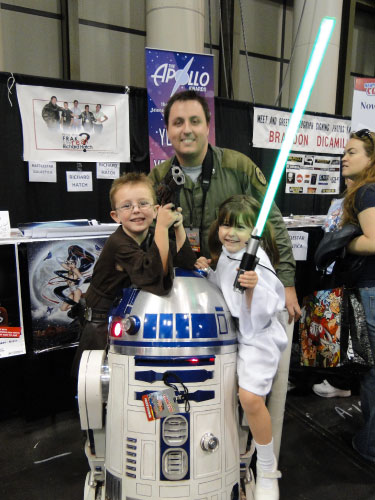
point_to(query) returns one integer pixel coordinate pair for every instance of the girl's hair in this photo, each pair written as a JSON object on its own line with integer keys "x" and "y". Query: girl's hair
{"x": 243, "y": 209}
{"x": 366, "y": 176}
{"x": 130, "y": 178}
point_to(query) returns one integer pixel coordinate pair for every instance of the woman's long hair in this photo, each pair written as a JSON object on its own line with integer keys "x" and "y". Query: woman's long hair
{"x": 241, "y": 209}
{"x": 367, "y": 176}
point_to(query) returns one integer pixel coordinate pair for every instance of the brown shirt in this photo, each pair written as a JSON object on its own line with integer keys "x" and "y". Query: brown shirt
{"x": 124, "y": 263}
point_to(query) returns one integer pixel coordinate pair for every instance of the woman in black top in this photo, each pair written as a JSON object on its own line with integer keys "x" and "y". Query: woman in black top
{"x": 358, "y": 164}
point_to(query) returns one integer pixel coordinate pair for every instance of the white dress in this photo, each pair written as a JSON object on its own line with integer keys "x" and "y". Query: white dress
{"x": 261, "y": 336}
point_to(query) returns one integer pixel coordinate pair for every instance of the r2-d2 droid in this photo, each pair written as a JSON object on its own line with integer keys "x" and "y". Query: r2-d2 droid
{"x": 186, "y": 343}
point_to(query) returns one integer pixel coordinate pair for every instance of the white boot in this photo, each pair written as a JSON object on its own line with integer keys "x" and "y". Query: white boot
{"x": 267, "y": 485}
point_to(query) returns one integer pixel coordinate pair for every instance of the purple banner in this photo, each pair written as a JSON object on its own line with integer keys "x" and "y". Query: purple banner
{"x": 167, "y": 73}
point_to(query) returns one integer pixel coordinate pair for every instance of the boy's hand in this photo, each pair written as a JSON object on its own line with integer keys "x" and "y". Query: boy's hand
{"x": 180, "y": 218}
{"x": 248, "y": 279}
{"x": 202, "y": 263}
{"x": 166, "y": 217}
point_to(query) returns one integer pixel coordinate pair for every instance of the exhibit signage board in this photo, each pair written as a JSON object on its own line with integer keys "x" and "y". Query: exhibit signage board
{"x": 12, "y": 336}
{"x": 363, "y": 110}
{"x": 312, "y": 174}
{"x": 60, "y": 272}
{"x": 73, "y": 125}
{"x": 168, "y": 73}
{"x": 4, "y": 224}
{"x": 316, "y": 134}
{"x": 106, "y": 170}
{"x": 42, "y": 171}
{"x": 299, "y": 241}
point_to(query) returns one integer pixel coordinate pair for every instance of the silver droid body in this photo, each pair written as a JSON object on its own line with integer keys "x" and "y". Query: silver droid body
{"x": 186, "y": 339}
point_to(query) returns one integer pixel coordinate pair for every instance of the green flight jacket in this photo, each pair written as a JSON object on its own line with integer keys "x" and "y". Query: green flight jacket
{"x": 233, "y": 173}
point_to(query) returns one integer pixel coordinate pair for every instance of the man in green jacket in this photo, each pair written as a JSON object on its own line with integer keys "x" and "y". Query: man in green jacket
{"x": 212, "y": 175}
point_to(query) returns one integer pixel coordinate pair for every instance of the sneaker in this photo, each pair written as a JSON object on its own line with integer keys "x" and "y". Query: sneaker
{"x": 270, "y": 489}
{"x": 326, "y": 390}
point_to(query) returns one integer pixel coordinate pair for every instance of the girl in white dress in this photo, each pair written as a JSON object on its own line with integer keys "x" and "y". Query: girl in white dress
{"x": 261, "y": 336}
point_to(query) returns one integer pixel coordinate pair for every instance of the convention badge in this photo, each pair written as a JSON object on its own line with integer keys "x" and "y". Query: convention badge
{"x": 260, "y": 176}
{"x": 193, "y": 237}
{"x": 160, "y": 404}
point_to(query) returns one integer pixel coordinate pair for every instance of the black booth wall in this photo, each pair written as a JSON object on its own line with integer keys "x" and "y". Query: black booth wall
{"x": 35, "y": 385}
{"x": 28, "y": 202}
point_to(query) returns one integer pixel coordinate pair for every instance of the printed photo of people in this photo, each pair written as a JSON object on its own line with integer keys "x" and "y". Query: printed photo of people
{"x": 290, "y": 177}
{"x": 100, "y": 118}
{"x": 61, "y": 124}
{"x": 73, "y": 117}
{"x": 51, "y": 114}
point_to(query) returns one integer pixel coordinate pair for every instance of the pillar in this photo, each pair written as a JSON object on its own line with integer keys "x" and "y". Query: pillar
{"x": 175, "y": 25}
{"x": 323, "y": 96}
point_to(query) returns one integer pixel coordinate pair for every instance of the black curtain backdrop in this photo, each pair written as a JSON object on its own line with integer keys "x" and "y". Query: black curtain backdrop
{"x": 31, "y": 201}
{"x": 38, "y": 385}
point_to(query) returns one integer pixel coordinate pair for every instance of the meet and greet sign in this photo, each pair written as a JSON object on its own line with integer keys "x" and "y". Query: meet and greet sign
{"x": 167, "y": 73}
{"x": 316, "y": 134}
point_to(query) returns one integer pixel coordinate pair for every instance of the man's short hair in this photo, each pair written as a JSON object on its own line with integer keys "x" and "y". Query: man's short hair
{"x": 130, "y": 178}
{"x": 99, "y": 105}
{"x": 187, "y": 95}
{"x": 75, "y": 101}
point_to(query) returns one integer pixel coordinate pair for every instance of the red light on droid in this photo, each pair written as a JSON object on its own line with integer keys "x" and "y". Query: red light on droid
{"x": 116, "y": 329}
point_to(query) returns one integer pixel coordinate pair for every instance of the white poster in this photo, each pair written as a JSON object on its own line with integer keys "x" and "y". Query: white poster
{"x": 107, "y": 170}
{"x": 299, "y": 241}
{"x": 316, "y": 134}
{"x": 79, "y": 181}
{"x": 4, "y": 224}
{"x": 73, "y": 125}
{"x": 312, "y": 174}
{"x": 42, "y": 172}
{"x": 363, "y": 110}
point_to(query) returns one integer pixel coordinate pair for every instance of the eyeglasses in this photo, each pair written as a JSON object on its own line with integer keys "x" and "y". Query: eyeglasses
{"x": 365, "y": 132}
{"x": 142, "y": 205}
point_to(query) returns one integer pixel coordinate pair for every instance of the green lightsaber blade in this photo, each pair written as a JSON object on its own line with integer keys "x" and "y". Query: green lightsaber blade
{"x": 312, "y": 70}
{"x": 249, "y": 258}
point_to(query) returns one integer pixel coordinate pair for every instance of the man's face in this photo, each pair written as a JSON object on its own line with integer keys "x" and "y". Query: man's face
{"x": 53, "y": 100}
{"x": 188, "y": 132}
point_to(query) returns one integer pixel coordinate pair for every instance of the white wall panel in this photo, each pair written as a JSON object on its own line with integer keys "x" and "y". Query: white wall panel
{"x": 44, "y": 5}
{"x": 31, "y": 44}
{"x": 265, "y": 75}
{"x": 112, "y": 57}
{"x": 127, "y": 13}
{"x": 263, "y": 26}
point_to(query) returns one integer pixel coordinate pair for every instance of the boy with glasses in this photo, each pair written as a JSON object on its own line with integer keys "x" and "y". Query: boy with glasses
{"x": 136, "y": 254}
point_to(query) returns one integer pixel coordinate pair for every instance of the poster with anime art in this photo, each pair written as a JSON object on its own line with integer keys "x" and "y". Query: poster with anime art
{"x": 59, "y": 275}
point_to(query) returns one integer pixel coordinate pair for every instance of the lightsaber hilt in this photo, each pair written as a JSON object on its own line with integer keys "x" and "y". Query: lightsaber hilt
{"x": 249, "y": 261}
